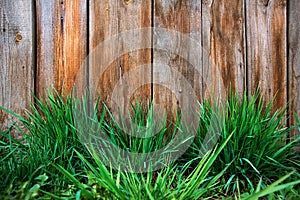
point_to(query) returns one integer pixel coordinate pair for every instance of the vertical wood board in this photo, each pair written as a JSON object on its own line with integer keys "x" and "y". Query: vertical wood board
{"x": 16, "y": 57}
{"x": 266, "y": 31}
{"x": 177, "y": 55}
{"x": 119, "y": 70}
{"x": 294, "y": 60}
{"x": 223, "y": 47}
{"x": 61, "y": 44}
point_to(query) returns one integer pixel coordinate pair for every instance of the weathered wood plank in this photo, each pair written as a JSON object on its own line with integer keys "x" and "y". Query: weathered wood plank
{"x": 224, "y": 61}
{"x": 266, "y": 34}
{"x": 177, "y": 58}
{"x": 116, "y": 72}
{"x": 294, "y": 60}
{"x": 61, "y": 42}
{"x": 16, "y": 57}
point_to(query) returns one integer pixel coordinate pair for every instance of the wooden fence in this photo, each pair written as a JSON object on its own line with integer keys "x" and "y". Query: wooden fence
{"x": 43, "y": 43}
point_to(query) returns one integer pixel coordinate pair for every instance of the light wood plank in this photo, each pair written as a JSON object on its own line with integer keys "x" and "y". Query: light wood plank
{"x": 116, "y": 64}
{"x": 177, "y": 58}
{"x": 294, "y": 60}
{"x": 224, "y": 60}
{"x": 16, "y": 58}
{"x": 266, "y": 30}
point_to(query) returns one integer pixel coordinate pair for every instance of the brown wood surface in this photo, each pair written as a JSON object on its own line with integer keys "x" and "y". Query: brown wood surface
{"x": 16, "y": 57}
{"x": 109, "y": 19}
{"x": 294, "y": 60}
{"x": 266, "y": 34}
{"x": 61, "y": 44}
{"x": 206, "y": 43}
{"x": 223, "y": 47}
{"x": 177, "y": 63}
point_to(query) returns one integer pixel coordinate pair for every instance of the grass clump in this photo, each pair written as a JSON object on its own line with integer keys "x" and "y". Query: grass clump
{"x": 59, "y": 158}
{"x": 49, "y": 137}
{"x": 260, "y": 147}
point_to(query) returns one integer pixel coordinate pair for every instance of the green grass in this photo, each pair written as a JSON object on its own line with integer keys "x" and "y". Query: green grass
{"x": 259, "y": 148}
{"x": 57, "y": 159}
{"x": 51, "y": 138}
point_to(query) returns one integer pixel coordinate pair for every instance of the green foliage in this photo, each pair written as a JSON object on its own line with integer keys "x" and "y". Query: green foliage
{"x": 54, "y": 160}
{"x": 168, "y": 183}
{"x": 50, "y": 137}
{"x": 260, "y": 147}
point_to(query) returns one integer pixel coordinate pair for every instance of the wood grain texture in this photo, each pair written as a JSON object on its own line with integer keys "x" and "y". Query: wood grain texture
{"x": 266, "y": 30}
{"x": 16, "y": 58}
{"x": 294, "y": 60}
{"x": 223, "y": 47}
{"x": 61, "y": 44}
{"x": 201, "y": 45}
{"x": 119, "y": 71}
{"x": 177, "y": 56}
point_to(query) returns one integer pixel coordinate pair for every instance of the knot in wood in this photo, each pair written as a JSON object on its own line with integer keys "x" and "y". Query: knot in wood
{"x": 127, "y": 1}
{"x": 19, "y": 37}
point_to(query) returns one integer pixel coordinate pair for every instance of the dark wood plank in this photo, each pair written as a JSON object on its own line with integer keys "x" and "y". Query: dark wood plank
{"x": 16, "y": 57}
{"x": 266, "y": 30}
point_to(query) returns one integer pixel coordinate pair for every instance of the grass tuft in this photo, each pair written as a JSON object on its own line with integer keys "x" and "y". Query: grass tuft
{"x": 241, "y": 150}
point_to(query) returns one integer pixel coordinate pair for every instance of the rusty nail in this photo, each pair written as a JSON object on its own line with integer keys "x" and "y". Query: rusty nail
{"x": 19, "y": 37}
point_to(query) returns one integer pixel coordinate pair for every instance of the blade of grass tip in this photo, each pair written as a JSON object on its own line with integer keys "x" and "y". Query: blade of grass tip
{"x": 227, "y": 185}
{"x": 248, "y": 161}
{"x": 111, "y": 171}
{"x": 274, "y": 187}
{"x": 22, "y": 119}
{"x": 78, "y": 194}
{"x": 258, "y": 186}
{"x": 288, "y": 145}
{"x": 75, "y": 181}
{"x": 238, "y": 188}
{"x": 118, "y": 178}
